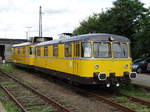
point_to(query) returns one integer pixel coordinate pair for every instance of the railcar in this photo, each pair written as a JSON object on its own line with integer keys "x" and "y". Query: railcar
{"x": 102, "y": 59}
{"x": 23, "y": 53}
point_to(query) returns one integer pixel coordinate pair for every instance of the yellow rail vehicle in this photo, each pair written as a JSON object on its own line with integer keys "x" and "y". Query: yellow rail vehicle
{"x": 86, "y": 59}
{"x": 23, "y": 53}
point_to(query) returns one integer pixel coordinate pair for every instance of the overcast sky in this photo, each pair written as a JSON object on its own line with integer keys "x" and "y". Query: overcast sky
{"x": 58, "y": 15}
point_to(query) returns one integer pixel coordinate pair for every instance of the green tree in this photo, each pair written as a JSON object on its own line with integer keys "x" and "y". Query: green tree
{"x": 87, "y": 26}
{"x": 142, "y": 37}
{"x": 126, "y": 17}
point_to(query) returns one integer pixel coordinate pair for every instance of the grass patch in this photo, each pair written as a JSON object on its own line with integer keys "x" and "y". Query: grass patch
{"x": 43, "y": 109}
{"x": 7, "y": 67}
{"x": 27, "y": 83}
{"x": 133, "y": 105}
{"x": 137, "y": 107}
{"x": 121, "y": 99}
{"x": 8, "y": 105}
{"x": 134, "y": 91}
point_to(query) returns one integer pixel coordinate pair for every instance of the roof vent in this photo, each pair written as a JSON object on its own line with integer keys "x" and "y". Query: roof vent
{"x": 111, "y": 38}
{"x": 65, "y": 35}
{"x": 40, "y": 39}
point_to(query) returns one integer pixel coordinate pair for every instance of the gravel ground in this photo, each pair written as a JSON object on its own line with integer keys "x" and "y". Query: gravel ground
{"x": 142, "y": 79}
{"x": 77, "y": 102}
{"x": 2, "y": 109}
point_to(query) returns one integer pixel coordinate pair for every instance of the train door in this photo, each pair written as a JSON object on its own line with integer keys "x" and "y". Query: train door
{"x": 76, "y": 57}
{"x": 31, "y": 58}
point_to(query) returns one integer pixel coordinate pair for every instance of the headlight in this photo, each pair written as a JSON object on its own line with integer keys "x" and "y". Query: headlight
{"x": 126, "y": 66}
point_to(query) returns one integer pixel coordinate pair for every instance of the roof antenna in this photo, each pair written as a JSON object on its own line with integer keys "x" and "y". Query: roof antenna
{"x": 40, "y": 22}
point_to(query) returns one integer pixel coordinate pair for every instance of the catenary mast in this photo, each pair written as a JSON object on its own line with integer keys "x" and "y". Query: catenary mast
{"x": 40, "y": 22}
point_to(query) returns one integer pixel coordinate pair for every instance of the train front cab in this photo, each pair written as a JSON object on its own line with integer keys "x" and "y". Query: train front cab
{"x": 106, "y": 63}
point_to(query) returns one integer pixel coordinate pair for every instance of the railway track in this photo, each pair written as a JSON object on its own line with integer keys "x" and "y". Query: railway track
{"x": 141, "y": 86}
{"x": 27, "y": 98}
{"x": 110, "y": 101}
{"x": 114, "y": 103}
{"x": 107, "y": 99}
{"x": 142, "y": 101}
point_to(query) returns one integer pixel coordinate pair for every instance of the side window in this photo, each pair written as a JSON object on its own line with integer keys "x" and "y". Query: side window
{"x": 15, "y": 49}
{"x": 21, "y": 50}
{"x": 31, "y": 50}
{"x": 35, "y": 51}
{"x": 24, "y": 51}
{"x": 77, "y": 49}
{"x": 55, "y": 50}
{"x": 38, "y": 51}
{"x": 86, "y": 50}
{"x": 46, "y": 51}
{"x": 18, "y": 51}
{"x": 68, "y": 50}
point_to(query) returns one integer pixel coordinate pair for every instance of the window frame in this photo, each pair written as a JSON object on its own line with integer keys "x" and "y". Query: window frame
{"x": 24, "y": 51}
{"x": 45, "y": 50}
{"x": 68, "y": 49}
{"x": 19, "y": 51}
{"x": 31, "y": 50}
{"x": 82, "y": 49}
{"x": 110, "y": 49}
{"x": 55, "y": 50}
{"x": 38, "y": 51}
{"x": 128, "y": 50}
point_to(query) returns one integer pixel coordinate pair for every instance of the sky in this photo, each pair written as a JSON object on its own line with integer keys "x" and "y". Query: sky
{"x": 17, "y": 17}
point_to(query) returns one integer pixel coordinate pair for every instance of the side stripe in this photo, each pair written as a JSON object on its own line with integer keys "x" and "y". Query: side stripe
{"x": 113, "y": 59}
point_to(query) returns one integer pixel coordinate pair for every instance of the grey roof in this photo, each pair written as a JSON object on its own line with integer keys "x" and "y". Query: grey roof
{"x": 48, "y": 42}
{"x": 97, "y": 37}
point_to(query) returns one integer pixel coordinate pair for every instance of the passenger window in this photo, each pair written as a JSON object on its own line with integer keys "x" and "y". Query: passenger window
{"x": 18, "y": 51}
{"x": 30, "y": 50}
{"x": 77, "y": 49}
{"x": 86, "y": 50}
{"x": 38, "y": 51}
{"x": 55, "y": 50}
{"x": 45, "y": 51}
{"x": 68, "y": 50}
{"x": 35, "y": 51}
{"x": 24, "y": 50}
